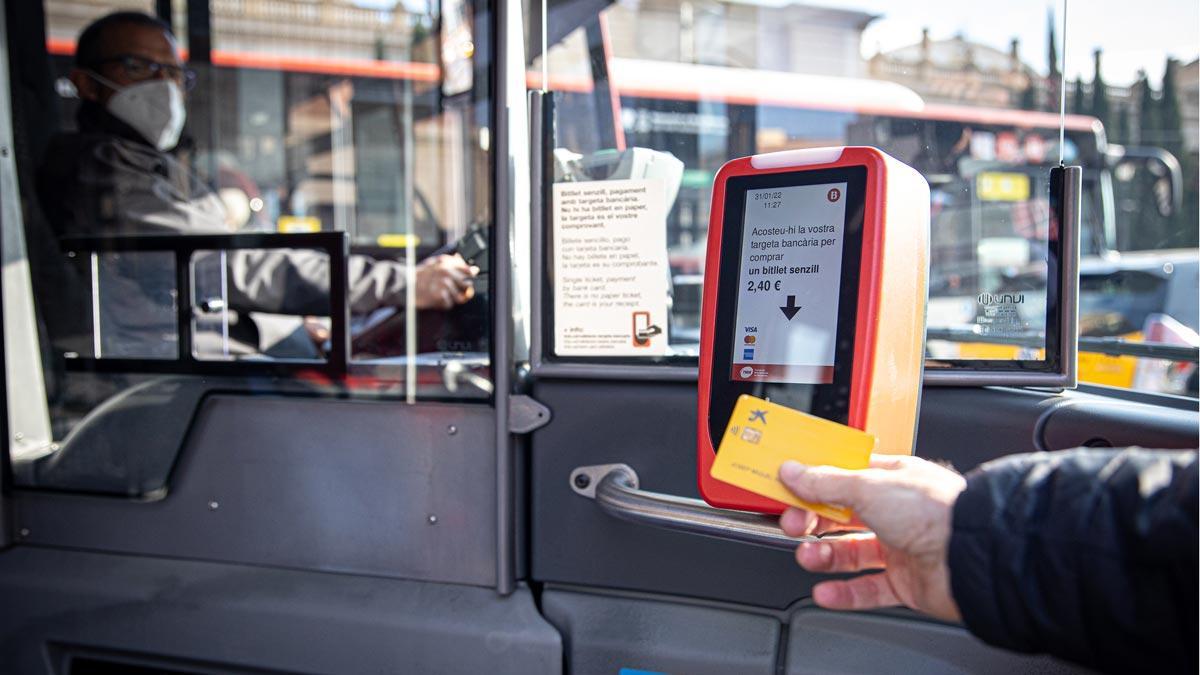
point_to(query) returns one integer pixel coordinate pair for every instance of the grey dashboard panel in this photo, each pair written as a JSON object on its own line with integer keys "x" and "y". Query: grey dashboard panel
{"x": 203, "y": 617}
{"x": 831, "y": 643}
{"x": 377, "y": 488}
{"x": 651, "y": 426}
{"x": 604, "y": 635}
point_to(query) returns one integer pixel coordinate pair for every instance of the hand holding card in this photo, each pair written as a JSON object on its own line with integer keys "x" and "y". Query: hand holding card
{"x": 762, "y": 435}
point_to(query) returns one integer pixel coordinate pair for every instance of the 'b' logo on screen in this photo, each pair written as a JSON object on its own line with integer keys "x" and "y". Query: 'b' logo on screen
{"x": 834, "y": 194}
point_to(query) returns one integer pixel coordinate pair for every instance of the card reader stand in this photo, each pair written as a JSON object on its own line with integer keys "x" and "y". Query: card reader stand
{"x": 815, "y": 290}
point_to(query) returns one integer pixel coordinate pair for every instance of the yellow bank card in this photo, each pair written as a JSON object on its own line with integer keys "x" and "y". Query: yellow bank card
{"x": 762, "y": 435}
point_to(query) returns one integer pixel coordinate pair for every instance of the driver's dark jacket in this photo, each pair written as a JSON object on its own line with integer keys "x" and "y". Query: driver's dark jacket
{"x": 1089, "y": 555}
{"x": 106, "y": 179}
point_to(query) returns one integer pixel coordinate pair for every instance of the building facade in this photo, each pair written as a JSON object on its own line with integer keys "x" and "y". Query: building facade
{"x": 957, "y": 70}
{"x": 795, "y": 38}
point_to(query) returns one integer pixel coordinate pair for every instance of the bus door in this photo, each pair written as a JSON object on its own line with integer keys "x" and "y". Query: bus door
{"x": 636, "y": 571}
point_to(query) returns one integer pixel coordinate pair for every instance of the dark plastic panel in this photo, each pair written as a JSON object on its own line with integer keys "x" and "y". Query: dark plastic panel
{"x": 829, "y": 643}
{"x": 603, "y": 635}
{"x": 97, "y": 456}
{"x": 367, "y": 487}
{"x": 214, "y": 617}
{"x": 1119, "y": 424}
{"x": 651, "y": 427}
{"x": 968, "y": 426}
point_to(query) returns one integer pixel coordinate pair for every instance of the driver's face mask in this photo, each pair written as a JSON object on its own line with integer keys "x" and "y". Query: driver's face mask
{"x": 154, "y": 109}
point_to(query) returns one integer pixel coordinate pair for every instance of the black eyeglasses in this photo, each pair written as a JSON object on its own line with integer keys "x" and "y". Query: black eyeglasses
{"x": 139, "y": 69}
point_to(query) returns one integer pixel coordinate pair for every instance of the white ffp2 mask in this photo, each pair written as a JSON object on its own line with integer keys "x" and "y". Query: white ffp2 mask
{"x": 153, "y": 108}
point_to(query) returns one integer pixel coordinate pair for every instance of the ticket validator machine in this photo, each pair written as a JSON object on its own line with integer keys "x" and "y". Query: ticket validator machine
{"x": 815, "y": 289}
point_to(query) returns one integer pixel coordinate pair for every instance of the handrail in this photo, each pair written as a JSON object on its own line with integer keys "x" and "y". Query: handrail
{"x": 1148, "y": 350}
{"x": 614, "y": 487}
{"x": 1112, "y": 346}
{"x": 1030, "y": 339}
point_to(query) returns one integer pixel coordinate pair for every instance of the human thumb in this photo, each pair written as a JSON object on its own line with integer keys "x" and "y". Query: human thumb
{"x": 823, "y": 484}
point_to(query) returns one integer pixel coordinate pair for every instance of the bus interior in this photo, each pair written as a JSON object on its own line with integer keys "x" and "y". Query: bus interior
{"x": 361, "y": 486}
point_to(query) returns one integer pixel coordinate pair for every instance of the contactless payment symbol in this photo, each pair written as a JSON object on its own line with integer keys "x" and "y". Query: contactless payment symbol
{"x": 834, "y": 194}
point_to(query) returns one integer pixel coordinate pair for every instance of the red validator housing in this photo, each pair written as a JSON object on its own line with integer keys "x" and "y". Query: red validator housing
{"x": 870, "y": 374}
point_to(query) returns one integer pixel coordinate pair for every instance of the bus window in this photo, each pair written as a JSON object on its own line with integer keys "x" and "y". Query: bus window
{"x": 1139, "y": 288}
{"x": 296, "y": 190}
{"x": 975, "y": 112}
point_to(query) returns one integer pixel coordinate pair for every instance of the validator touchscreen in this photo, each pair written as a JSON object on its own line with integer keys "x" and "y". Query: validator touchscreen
{"x": 785, "y": 326}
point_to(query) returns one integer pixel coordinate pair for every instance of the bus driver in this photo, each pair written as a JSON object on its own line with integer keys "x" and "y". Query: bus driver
{"x": 119, "y": 174}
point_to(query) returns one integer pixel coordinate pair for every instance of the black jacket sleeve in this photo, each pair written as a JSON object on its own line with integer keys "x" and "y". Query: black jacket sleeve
{"x": 1089, "y": 555}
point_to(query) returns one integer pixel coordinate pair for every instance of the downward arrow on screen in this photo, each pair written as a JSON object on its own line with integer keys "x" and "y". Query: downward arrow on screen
{"x": 791, "y": 308}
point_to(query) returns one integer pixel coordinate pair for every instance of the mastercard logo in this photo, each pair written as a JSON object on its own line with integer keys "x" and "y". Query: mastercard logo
{"x": 750, "y": 339}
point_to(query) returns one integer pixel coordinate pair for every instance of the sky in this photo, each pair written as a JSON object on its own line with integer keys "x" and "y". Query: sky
{"x": 1137, "y": 34}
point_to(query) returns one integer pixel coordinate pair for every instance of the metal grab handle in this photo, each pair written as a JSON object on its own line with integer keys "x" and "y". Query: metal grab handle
{"x": 614, "y": 487}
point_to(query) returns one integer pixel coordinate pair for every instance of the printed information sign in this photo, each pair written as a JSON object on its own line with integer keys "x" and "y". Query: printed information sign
{"x": 610, "y": 268}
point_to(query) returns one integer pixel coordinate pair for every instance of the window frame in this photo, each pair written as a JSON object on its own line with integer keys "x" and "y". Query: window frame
{"x": 333, "y": 244}
{"x": 349, "y": 376}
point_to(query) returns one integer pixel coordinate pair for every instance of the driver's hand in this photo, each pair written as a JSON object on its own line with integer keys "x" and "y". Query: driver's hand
{"x": 906, "y": 503}
{"x": 317, "y": 331}
{"x": 444, "y": 281}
